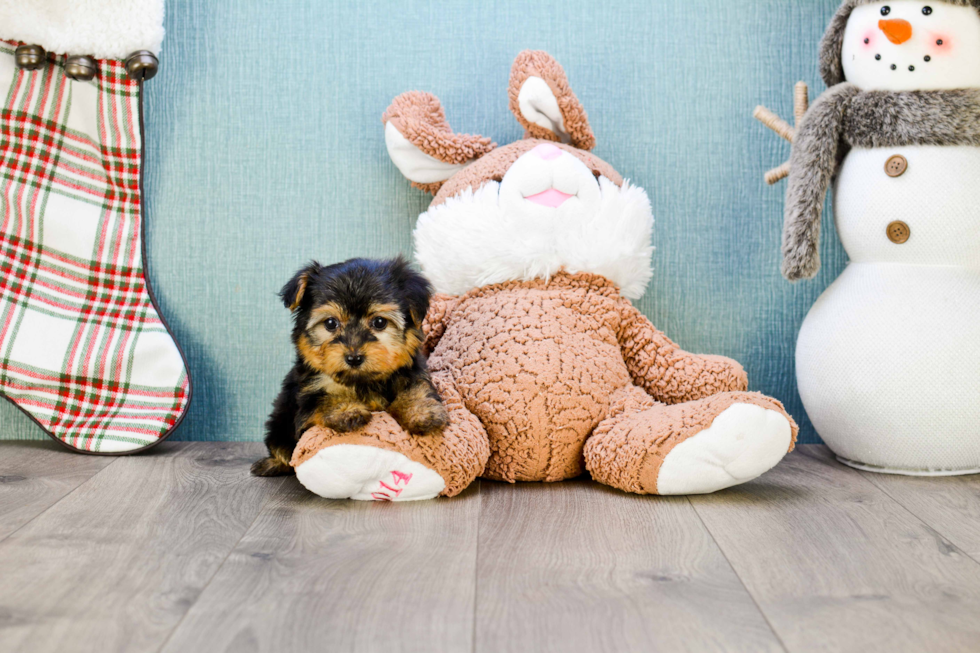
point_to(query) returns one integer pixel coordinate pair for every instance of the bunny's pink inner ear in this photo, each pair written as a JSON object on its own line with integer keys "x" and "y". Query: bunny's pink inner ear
{"x": 544, "y": 103}
{"x": 421, "y": 143}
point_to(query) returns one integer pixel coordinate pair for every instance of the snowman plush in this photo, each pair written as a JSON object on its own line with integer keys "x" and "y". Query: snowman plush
{"x": 888, "y": 359}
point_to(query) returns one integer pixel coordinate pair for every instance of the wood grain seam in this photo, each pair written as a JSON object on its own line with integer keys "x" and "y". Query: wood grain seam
{"x": 866, "y": 478}
{"x": 60, "y": 499}
{"x": 231, "y": 549}
{"x": 724, "y": 554}
{"x": 476, "y": 567}
{"x": 916, "y": 517}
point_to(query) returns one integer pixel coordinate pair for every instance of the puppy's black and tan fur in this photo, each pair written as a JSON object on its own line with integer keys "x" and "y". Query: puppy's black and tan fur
{"x": 358, "y": 337}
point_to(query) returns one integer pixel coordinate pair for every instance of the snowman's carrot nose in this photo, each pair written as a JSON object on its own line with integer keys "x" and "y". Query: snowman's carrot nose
{"x": 897, "y": 30}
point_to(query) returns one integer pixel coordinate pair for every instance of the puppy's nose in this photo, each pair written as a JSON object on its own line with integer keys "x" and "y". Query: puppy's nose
{"x": 354, "y": 360}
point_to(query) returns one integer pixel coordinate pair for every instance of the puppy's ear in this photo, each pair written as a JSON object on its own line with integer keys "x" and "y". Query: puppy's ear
{"x": 544, "y": 103}
{"x": 415, "y": 289}
{"x": 293, "y": 292}
{"x": 423, "y": 146}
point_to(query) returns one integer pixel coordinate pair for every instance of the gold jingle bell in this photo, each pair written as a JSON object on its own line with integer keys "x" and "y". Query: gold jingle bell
{"x": 80, "y": 67}
{"x": 142, "y": 65}
{"x": 30, "y": 57}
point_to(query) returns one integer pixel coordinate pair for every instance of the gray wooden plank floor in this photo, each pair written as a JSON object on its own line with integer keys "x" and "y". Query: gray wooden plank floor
{"x": 180, "y": 550}
{"x": 836, "y": 564}
{"x": 951, "y": 506}
{"x": 36, "y": 475}
{"x": 318, "y": 575}
{"x": 578, "y": 566}
{"x": 115, "y": 565}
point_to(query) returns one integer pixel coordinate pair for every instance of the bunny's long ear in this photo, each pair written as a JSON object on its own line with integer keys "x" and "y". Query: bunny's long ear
{"x": 423, "y": 146}
{"x": 544, "y": 103}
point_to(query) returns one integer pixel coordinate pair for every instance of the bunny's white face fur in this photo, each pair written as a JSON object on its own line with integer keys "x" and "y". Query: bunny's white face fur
{"x": 906, "y": 45}
{"x": 547, "y": 214}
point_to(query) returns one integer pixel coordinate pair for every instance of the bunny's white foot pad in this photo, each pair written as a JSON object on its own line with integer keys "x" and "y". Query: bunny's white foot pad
{"x": 362, "y": 473}
{"x": 742, "y": 443}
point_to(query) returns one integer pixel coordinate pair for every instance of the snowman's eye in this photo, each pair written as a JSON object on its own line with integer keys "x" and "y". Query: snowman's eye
{"x": 886, "y": 10}
{"x": 927, "y": 11}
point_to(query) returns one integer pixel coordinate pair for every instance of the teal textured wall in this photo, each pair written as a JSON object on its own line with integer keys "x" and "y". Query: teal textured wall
{"x": 265, "y": 149}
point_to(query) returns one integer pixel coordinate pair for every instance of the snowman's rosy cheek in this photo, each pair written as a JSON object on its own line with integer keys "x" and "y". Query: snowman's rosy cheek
{"x": 939, "y": 44}
{"x": 868, "y": 40}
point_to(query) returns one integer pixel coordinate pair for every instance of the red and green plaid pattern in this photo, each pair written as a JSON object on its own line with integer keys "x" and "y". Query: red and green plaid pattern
{"x": 82, "y": 348}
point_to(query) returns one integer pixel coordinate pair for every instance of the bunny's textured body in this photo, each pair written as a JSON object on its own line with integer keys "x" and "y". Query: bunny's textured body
{"x": 544, "y": 389}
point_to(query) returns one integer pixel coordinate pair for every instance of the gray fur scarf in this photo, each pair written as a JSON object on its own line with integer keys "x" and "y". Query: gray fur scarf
{"x": 846, "y": 117}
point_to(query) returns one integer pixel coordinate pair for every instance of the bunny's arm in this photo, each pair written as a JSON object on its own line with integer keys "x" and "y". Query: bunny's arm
{"x": 813, "y": 162}
{"x": 665, "y": 371}
{"x": 440, "y": 308}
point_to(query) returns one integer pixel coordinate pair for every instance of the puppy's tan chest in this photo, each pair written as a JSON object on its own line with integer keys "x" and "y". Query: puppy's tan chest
{"x": 337, "y": 395}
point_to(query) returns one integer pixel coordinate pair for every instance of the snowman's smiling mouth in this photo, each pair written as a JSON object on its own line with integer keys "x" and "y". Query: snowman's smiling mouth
{"x": 911, "y": 67}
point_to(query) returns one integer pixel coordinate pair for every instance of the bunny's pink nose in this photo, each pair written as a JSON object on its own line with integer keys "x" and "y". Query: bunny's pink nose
{"x": 547, "y": 151}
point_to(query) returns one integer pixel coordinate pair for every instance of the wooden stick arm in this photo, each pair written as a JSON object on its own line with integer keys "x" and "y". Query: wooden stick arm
{"x": 776, "y": 175}
{"x": 801, "y": 102}
{"x": 775, "y": 123}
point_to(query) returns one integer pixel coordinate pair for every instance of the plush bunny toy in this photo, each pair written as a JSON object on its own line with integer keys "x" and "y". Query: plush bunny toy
{"x": 546, "y": 367}
{"x": 888, "y": 359}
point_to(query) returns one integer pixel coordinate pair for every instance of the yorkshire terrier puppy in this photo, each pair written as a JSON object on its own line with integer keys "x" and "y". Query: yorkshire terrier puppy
{"x": 358, "y": 337}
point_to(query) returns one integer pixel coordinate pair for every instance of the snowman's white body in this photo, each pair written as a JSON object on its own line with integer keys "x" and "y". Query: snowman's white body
{"x": 888, "y": 359}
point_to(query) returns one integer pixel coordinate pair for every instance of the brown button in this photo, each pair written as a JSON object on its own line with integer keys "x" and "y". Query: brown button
{"x": 896, "y": 166}
{"x": 898, "y": 232}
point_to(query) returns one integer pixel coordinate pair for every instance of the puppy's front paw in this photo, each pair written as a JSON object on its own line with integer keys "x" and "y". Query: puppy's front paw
{"x": 271, "y": 467}
{"x": 348, "y": 420}
{"x": 426, "y": 419}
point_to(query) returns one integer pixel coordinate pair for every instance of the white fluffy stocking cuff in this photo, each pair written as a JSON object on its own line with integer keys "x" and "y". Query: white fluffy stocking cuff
{"x": 104, "y": 29}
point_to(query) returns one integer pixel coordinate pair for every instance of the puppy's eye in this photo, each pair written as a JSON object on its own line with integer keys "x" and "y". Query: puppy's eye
{"x": 379, "y": 324}
{"x": 331, "y": 324}
{"x": 927, "y": 11}
{"x": 886, "y": 10}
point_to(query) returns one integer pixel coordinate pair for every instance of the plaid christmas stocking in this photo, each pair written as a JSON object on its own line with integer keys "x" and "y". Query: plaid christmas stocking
{"x": 83, "y": 349}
